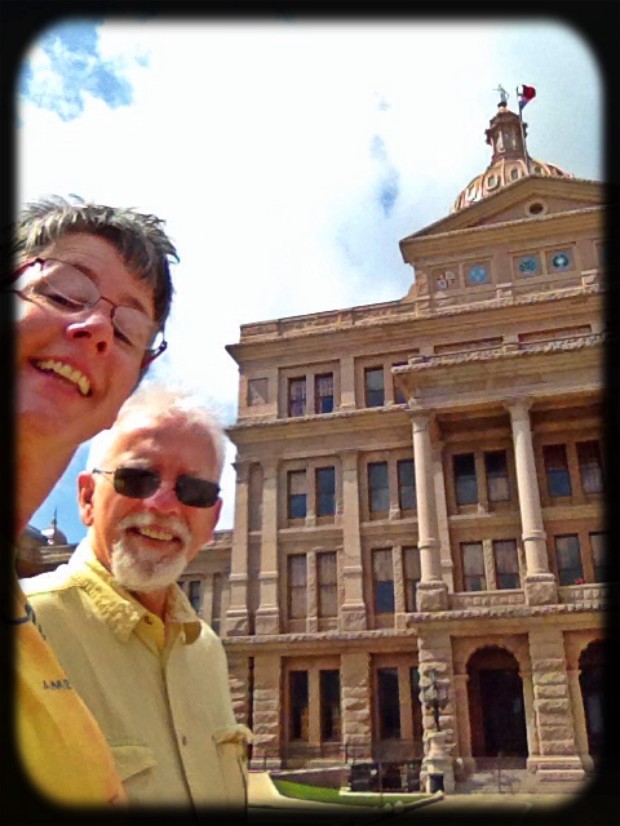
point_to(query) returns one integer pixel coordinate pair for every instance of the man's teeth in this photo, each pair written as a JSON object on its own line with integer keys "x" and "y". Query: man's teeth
{"x": 67, "y": 372}
{"x": 154, "y": 533}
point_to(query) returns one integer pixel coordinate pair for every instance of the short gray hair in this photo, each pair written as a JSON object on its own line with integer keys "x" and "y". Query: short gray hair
{"x": 138, "y": 238}
{"x": 159, "y": 404}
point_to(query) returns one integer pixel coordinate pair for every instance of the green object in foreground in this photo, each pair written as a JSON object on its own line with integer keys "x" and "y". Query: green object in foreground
{"x": 301, "y": 791}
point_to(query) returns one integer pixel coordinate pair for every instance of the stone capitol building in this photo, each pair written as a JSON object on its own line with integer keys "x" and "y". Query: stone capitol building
{"x": 417, "y": 564}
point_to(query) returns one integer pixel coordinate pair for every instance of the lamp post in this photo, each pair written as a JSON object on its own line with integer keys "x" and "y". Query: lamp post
{"x": 434, "y": 695}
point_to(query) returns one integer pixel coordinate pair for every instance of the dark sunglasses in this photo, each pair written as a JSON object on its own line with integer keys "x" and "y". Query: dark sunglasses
{"x": 140, "y": 483}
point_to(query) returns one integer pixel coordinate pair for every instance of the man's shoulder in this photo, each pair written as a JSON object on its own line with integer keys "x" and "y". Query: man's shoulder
{"x": 57, "y": 581}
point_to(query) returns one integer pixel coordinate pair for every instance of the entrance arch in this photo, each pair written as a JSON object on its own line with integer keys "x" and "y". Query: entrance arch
{"x": 591, "y": 681}
{"x": 496, "y": 707}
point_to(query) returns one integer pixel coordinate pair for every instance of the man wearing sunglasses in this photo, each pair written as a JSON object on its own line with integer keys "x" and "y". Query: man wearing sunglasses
{"x": 153, "y": 674}
{"x": 90, "y": 293}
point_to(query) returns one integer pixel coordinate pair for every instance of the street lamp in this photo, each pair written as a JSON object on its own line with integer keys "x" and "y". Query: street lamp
{"x": 434, "y": 694}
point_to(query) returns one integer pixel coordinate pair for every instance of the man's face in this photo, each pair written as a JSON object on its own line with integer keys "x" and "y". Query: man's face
{"x": 147, "y": 543}
{"x": 100, "y": 369}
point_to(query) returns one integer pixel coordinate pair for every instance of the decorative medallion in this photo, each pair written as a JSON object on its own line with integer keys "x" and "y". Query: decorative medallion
{"x": 528, "y": 265}
{"x": 478, "y": 274}
{"x": 560, "y": 261}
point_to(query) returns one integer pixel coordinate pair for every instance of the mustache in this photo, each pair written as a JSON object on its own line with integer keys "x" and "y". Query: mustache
{"x": 167, "y": 523}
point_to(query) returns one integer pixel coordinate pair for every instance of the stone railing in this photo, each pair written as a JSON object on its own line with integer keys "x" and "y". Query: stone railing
{"x": 485, "y": 599}
{"x": 589, "y": 594}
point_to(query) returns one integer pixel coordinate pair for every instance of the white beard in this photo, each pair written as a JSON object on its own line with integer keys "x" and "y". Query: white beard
{"x": 144, "y": 570}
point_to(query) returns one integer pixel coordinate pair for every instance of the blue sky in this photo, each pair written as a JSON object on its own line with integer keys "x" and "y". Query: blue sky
{"x": 288, "y": 158}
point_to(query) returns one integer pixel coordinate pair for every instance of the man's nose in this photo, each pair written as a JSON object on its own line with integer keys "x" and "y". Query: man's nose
{"x": 164, "y": 500}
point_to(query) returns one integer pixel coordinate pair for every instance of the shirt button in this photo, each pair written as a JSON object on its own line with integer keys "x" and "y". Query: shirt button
{"x": 183, "y": 739}
{"x": 148, "y": 621}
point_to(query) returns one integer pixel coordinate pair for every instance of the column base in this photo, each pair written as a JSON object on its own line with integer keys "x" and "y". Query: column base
{"x": 432, "y": 596}
{"x": 353, "y": 618}
{"x": 557, "y": 768}
{"x": 237, "y": 624}
{"x": 540, "y": 589}
{"x": 267, "y": 621}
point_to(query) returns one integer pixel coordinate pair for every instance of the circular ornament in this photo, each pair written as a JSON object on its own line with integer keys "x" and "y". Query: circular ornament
{"x": 528, "y": 265}
{"x": 478, "y": 274}
{"x": 560, "y": 261}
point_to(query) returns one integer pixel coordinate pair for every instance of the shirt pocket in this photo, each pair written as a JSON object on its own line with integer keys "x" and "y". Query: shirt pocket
{"x": 231, "y": 745}
{"x": 132, "y": 760}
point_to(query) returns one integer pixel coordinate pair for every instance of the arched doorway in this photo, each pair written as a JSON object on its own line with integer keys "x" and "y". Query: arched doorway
{"x": 496, "y": 708}
{"x": 591, "y": 680}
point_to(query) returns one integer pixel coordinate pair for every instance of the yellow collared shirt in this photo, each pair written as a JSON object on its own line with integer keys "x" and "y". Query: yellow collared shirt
{"x": 159, "y": 691}
{"x": 62, "y": 749}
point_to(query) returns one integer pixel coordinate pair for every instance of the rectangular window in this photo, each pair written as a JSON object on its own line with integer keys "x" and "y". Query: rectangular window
{"x": 297, "y": 590}
{"x": 496, "y": 469}
{"x": 474, "y": 578}
{"x": 590, "y": 466}
{"x": 378, "y": 487}
{"x": 298, "y": 702}
{"x": 297, "y": 396}
{"x": 465, "y": 479}
{"x": 389, "y": 703}
{"x": 195, "y": 594}
{"x": 506, "y": 564}
{"x": 330, "y": 706}
{"x": 257, "y": 392}
{"x": 325, "y": 491}
{"x": 568, "y": 557}
{"x": 324, "y": 393}
{"x": 406, "y": 484}
{"x": 556, "y": 469}
{"x": 599, "y": 556}
{"x": 327, "y": 573}
{"x": 411, "y": 565}
{"x": 216, "y": 601}
{"x": 296, "y": 494}
{"x": 374, "y": 387}
{"x": 383, "y": 581}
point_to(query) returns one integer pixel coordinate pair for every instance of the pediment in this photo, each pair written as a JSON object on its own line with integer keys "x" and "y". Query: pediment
{"x": 515, "y": 202}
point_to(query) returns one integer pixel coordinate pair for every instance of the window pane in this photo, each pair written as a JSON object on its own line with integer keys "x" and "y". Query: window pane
{"x": 325, "y": 491}
{"x": 298, "y": 700}
{"x": 465, "y": 479}
{"x": 194, "y": 594}
{"x": 297, "y": 590}
{"x": 599, "y": 556}
{"x": 297, "y": 396}
{"x": 373, "y": 384}
{"x": 389, "y": 703}
{"x": 383, "y": 580}
{"x": 590, "y": 467}
{"x": 406, "y": 484}
{"x": 257, "y": 392}
{"x": 568, "y": 555}
{"x": 473, "y": 566}
{"x": 399, "y": 396}
{"x": 556, "y": 468}
{"x": 324, "y": 393}
{"x": 378, "y": 489}
{"x": 296, "y": 494}
{"x": 496, "y": 467}
{"x": 411, "y": 564}
{"x": 330, "y": 705}
{"x": 328, "y": 584}
{"x": 506, "y": 564}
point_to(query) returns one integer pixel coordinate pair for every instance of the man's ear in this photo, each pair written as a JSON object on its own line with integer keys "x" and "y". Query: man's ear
{"x": 86, "y": 492}
{"x": 207, "y": 532}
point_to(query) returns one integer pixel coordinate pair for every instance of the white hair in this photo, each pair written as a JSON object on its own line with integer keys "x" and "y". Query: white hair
{"x": 157, "y": 403}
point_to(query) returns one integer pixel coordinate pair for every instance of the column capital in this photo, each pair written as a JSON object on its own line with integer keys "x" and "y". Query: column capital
{"x": 421, "y": 419}
{"x": 242, "y": 470}
{"x": 270, "y": 467}
{"x": 518, "y": 406}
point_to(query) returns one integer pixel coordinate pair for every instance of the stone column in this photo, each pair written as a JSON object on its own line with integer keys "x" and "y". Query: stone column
{"x": 353, "y": 614}
{"x": 314, "y": 707}
{"x": 347, "y": 383}
{"x": 533, "y": 746}
{"x": 400, "y": 618}
{"x": 267, "y": 713}
{"x": 356, "y": 704}
{"x": 268, "y": 613}
{"x": 461, "y": 702}
{"x": 579, "y": 716}
{"x": 238, "y": 672}
{"x": 539, "y": 585}
{"x": 236, "y": 621}
{"x": 557, "y": 759}
{"x": 435, "y": 652}
{"x": 312, "y": 616}
{"x": 432, "y": 593}
{"x": 441, "y": 507}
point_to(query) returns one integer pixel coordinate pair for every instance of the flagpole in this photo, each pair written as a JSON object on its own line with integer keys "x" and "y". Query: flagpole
{"x": 527, "y": 157}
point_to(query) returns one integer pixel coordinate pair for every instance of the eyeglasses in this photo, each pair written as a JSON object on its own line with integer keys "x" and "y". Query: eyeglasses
{"x": 69, "y": 290}
{"x": 140, "y": 483}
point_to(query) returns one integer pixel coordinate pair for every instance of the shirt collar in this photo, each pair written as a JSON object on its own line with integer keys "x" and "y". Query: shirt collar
{"x": 120, "y": 609}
